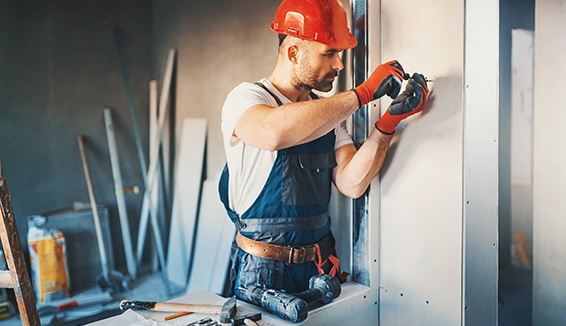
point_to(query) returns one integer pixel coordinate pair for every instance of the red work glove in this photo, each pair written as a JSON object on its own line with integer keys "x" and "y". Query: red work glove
{"x": 411, "y": 101}
{"x": 387, "y": 78}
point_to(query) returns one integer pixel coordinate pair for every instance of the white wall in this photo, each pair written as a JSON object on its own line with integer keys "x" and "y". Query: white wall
{"x": 549, "y": 285}
{"x": 421, "y": 244}
{"x": 438, "y": 218}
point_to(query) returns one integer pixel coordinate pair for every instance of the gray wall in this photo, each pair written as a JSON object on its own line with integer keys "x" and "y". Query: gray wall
{"x": 220, "y": 43}
{"x": 58, "y": 68}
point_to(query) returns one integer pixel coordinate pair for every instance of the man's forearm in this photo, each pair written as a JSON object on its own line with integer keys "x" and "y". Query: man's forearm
{"x": 354, "y": 178}
{"x": 295, "y": 123}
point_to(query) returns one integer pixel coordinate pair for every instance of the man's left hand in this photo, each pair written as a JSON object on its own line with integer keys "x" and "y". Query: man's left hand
{"x": 411, "y": 101}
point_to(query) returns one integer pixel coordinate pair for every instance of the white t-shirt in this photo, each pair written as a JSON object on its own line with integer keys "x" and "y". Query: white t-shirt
{"x": 250, "y": 166}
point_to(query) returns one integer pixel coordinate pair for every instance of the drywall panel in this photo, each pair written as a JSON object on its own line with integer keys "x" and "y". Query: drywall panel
{"x": 481, "y": 109}
{"x": 184, "y": 215}
{"x": 549, "y": 283}
{"x": 422, "y": 181}
{"x": 214, "y": 236}
{"x": 438, "y": 222}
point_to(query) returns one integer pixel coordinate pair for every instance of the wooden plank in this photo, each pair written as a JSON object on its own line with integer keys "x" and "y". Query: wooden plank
{"x": 213, "y": 240}
{"x": 155, "y": 143}
{"x": 119, "y": 191}
{"x": 188, "y": 179}
{"x": 154, "y": 146}
{"x": 15, "y": 261}
{"x": 155, "y": 197}
{"x": 144, "y": 212}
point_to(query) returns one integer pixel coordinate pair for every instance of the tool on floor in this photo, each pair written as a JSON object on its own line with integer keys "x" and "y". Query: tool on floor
{"x": 284, "y": 305}
{"x": 226, "y": 312}
{"x": 248, "y": 320}
{"x": 112, "y": 281}
{"x": 16, "y": 277}
{"x": 323, "y": 288}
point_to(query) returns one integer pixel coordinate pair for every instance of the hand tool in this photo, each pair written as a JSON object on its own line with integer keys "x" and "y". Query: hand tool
{"x": 284, "y": 305}
{"x": 248, "y": 320}
{"x": 406, "y": 76}
{"x": 226, "y": 312}
{"x": 323, "y": 288}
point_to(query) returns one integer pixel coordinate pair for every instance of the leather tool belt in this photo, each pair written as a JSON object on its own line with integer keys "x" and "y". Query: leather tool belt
{"x": 296, "y": 254}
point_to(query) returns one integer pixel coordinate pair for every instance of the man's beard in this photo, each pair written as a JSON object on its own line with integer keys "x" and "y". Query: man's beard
{"x": 323, "y": 84}
{"x": 308, "y": 78}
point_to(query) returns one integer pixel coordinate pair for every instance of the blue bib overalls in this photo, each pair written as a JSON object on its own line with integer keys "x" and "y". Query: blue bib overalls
{"x": 291, "y": 209}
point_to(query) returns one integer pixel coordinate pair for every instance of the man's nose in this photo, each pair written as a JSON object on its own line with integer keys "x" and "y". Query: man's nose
{"x": 338, "y": 64}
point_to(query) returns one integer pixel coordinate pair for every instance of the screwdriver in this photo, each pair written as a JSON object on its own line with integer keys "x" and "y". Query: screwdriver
{"x": 406, "y": 76}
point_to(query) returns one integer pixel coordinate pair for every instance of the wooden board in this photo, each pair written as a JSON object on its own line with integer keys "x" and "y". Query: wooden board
{"x": 16, "y": 277}
{"x": 188, "y": 179}
{"x": 119, "y": 191}
{"x": 214, "y": 236}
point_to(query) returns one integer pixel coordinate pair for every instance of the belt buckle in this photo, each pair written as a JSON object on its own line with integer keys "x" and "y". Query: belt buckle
{"x": 300, "y": 254}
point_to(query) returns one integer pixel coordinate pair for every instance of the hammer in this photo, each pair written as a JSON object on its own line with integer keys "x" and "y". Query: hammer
{"x": 226, "y": 312}
{"x": 248, "y": 320}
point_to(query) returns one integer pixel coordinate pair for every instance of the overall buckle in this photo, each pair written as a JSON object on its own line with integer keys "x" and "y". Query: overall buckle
{"x": 296, "y": 251}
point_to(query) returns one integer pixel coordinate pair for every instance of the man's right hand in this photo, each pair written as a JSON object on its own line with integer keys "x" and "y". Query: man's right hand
{"x": 387, "y": 78}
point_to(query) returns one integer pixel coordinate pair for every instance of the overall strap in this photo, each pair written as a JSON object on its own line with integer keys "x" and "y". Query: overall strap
{"x": 260, "y": 84}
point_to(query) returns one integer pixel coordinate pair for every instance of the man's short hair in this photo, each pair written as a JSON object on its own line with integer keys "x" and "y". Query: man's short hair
{"x": 281, "y": 38}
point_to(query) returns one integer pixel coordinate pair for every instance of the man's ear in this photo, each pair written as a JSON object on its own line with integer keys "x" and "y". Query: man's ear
{"x": 293, "y": 54}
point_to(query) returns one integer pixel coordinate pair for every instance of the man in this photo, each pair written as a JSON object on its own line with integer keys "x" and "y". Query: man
{"x": 284, "y": 147}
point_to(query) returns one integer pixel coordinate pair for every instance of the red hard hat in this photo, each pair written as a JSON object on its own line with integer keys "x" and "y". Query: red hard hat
{"x": 323, "y": 21}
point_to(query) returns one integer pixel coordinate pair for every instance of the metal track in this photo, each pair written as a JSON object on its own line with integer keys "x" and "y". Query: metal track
{"x": 360, "y": 131}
